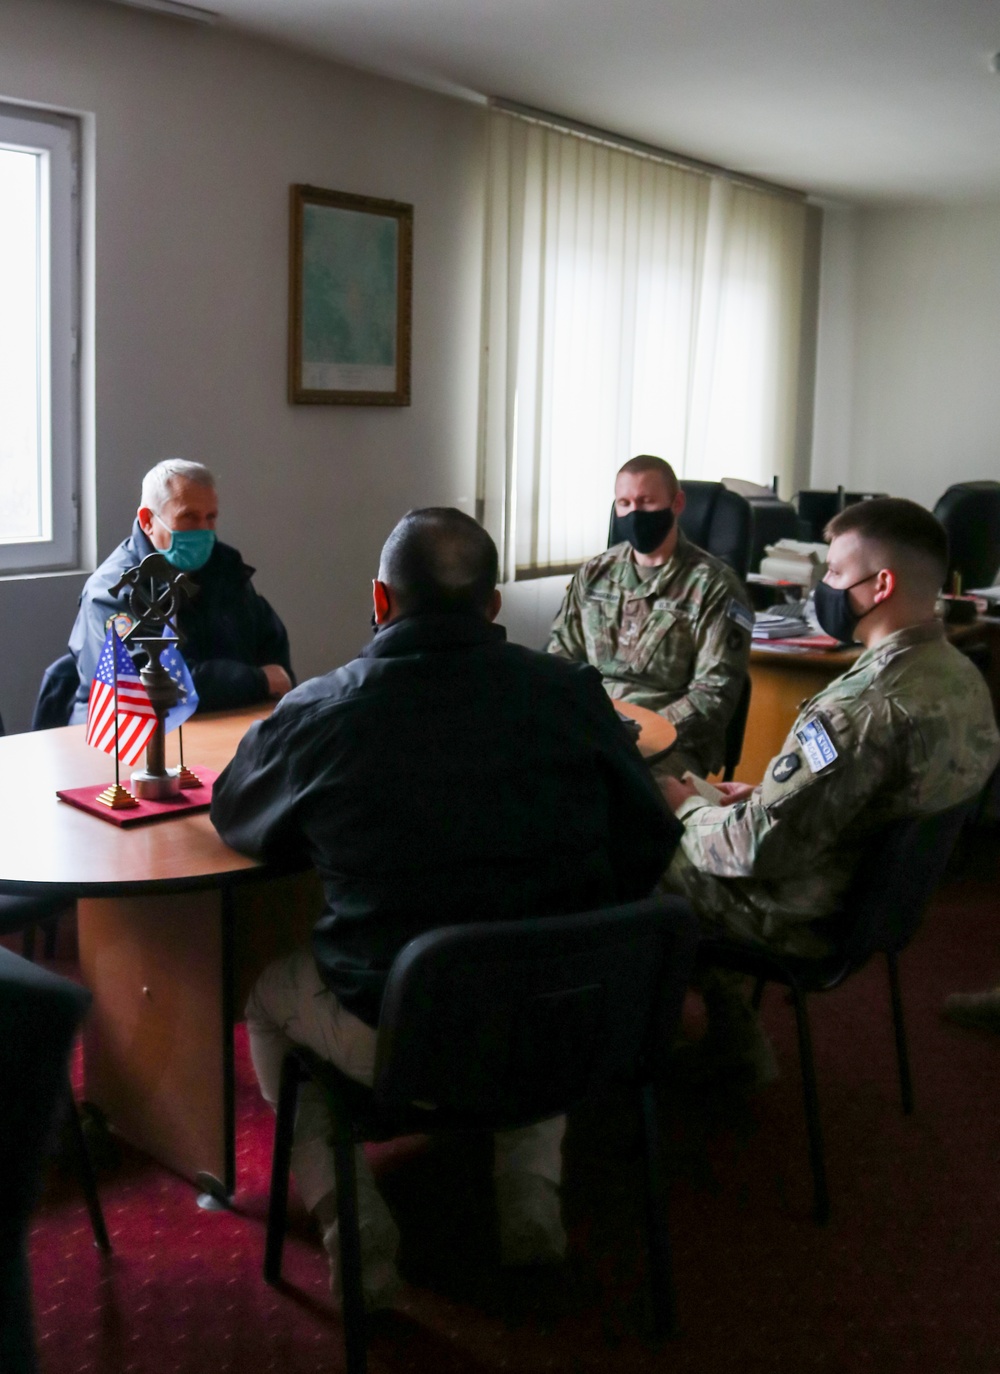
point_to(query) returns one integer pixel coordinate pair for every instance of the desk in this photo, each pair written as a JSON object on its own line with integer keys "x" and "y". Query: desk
{"x": 173, "y": 928}
{"x": 656, "y": 735}
{"x": 783, "y": 679}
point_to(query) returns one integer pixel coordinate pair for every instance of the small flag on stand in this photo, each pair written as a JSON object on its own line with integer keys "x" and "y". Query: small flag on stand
{"x": 187, "y": 697}
{"x": 117, "y": 676}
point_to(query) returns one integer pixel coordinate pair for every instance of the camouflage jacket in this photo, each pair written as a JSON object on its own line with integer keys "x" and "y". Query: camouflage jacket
{"x": 908, "y": 730}
{"x": 675, "y": 639}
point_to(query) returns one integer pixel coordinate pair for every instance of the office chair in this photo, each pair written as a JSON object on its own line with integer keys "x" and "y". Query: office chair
{"x": 24, "y": 915}
{"x": 715, "y": 519}
{"x": 39, "y": 1016}
{"x": 970, "y": 513}
{"x": 56, "y": 695}
{"x": 503, "y": 1024}
{"x": 735, "y": 730}
{"x": 880, "y": 913}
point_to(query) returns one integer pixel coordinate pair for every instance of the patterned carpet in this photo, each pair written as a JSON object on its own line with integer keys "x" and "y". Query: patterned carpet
{"x": 903, "y": 1279}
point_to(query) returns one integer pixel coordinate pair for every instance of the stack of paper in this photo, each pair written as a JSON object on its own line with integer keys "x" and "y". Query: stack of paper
{"x": 792, "y": 560}
{"x": 778, "y": 624}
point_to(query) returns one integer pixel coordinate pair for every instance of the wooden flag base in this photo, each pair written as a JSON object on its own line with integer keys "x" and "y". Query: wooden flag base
{"x": 188, "y": 779}
{"x": 117, "y": 797}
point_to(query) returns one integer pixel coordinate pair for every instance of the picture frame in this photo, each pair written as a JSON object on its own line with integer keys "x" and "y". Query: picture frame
{"x": 350, "y": 299}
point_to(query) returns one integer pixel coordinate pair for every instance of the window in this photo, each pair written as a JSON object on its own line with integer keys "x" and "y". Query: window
{"x": 39, "y": 332}
{"x": 631, "y": 306}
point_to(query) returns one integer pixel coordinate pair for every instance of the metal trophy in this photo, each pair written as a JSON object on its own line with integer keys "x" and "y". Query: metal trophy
{"x": 156, "y": 592}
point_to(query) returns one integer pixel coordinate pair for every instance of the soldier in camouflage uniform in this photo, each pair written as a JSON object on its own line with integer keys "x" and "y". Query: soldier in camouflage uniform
{"x": 668, "y": 628}
{"x": 909, "y": 730}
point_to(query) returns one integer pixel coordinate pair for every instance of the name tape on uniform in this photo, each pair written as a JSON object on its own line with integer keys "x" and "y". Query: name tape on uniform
{"x": 816, "y": 745}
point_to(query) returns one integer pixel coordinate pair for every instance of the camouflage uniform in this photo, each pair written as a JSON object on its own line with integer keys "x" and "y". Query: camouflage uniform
{"x": 675, "y": 639}
{"x": 908, "y": 730}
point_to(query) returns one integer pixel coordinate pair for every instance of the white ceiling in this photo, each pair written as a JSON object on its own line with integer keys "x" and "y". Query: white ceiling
{"x": 851, "y": 99}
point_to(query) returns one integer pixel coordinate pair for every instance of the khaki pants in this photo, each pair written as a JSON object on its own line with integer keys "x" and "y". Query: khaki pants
{"x": 290, "y": 1005}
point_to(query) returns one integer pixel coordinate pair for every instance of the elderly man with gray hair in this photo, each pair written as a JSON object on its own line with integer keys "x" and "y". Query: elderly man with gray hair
{"x": 234, "y": 643}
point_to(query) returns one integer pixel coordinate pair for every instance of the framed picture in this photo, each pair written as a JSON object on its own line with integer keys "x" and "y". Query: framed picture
{"x": 351, "y": 299}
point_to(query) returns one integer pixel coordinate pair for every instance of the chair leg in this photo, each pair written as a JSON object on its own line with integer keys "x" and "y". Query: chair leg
{"x": 85, "y": 1173}
{"x": 899, "y": 1026}
{"x": 821, "y": 1196}
{"x": 277, "y": 1207}
{"x": 663, "y": 1298}
{"x": 355, "y": 1333}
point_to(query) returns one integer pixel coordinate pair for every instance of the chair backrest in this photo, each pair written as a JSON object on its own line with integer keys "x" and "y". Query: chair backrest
{"x": 39, "y": 1014}
{"x": 511, "y": 1022}
{"x": 55, "y": 696}
{"x": 735, "y": 730}
{"x": 970, "y": 513}
{"x": 897, "y": 876}
{"x": 714, "y": 518}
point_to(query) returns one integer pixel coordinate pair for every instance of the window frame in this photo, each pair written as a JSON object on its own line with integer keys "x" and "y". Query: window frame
{"x": 58, "y": 136}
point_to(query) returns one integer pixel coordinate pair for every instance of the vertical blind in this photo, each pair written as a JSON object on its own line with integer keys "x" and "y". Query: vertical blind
{"x": 630, "y": 306}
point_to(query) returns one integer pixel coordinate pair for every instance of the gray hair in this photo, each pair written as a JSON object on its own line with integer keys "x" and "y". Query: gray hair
{"x": 157, "y": 485}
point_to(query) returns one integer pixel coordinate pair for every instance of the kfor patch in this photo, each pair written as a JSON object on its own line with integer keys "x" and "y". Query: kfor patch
{"x": 817, "y": 745}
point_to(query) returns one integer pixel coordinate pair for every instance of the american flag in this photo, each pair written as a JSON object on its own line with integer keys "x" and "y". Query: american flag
{"x": 136, "y": 717}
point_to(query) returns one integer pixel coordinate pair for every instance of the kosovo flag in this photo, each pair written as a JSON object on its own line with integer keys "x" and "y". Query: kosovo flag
{"x": 187, "y": 697}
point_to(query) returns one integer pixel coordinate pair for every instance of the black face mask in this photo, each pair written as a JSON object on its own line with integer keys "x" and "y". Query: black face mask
{"x": 833, "y": 610}
{"x": 645, "y": 530}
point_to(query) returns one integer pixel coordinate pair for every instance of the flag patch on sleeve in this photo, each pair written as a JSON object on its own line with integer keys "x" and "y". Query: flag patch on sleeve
{"x": 738, "y": 612}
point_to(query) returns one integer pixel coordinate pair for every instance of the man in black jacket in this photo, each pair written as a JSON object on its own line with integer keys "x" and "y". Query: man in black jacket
{"x": 443, "y": 776}
{"x": 234, "y": 644}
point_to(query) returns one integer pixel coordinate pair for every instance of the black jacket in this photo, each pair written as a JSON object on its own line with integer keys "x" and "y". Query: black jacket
{"x": 230, "y": 631}
{"x": 445, "y": 776}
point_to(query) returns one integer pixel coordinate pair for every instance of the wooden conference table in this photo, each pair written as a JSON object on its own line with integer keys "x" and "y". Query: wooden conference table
{"x": 173, "y": 928}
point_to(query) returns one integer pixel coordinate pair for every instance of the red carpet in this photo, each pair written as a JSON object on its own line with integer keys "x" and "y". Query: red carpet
{"x": 905, "y": 1277}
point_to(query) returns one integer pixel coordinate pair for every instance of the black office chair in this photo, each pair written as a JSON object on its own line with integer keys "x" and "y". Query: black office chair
{"x": 880, "y": 914}
{"x": 56, "y": 695}
{"x": 502, "y": 1025}
{"x": 735, "y": 731}
{"x": 24, "y": 916}
{"x": 39, "y": 1017}
{"x": 715, "y": 519}
{"x": 970, "y": 513}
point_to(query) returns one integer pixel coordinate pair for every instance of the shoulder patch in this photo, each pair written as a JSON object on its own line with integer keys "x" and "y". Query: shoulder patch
{"x": 738, "y": 612}
{"x": 785, "y": 767}
{"x": 816, "y": 744}
{"x": 122, "y": 623}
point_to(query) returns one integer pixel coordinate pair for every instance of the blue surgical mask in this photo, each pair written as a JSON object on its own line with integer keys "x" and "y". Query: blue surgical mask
{"x": 188, "y": 550}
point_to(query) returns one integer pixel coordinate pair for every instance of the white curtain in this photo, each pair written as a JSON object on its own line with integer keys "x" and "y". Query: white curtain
{"x": 630, "y": 306}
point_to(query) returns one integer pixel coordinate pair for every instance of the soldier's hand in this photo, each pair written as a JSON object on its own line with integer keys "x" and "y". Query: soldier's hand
{"x": 734, "y": 792}
{"x": 676, "y": 792}
{"x": 278, "y": 681}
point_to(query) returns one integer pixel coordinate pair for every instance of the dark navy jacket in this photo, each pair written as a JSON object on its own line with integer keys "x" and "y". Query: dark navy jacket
{"x": 445, "y": 776}
{"x": 229, "y": 630}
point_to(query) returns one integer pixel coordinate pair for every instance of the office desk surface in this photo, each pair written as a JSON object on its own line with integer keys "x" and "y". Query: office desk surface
{"x": 656, "y": 735}
{"x": 46, "y": 843}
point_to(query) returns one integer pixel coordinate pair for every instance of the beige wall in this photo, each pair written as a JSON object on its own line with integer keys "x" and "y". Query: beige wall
{"x": 909, "y": 352}
{"x": 196, "y": 134}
